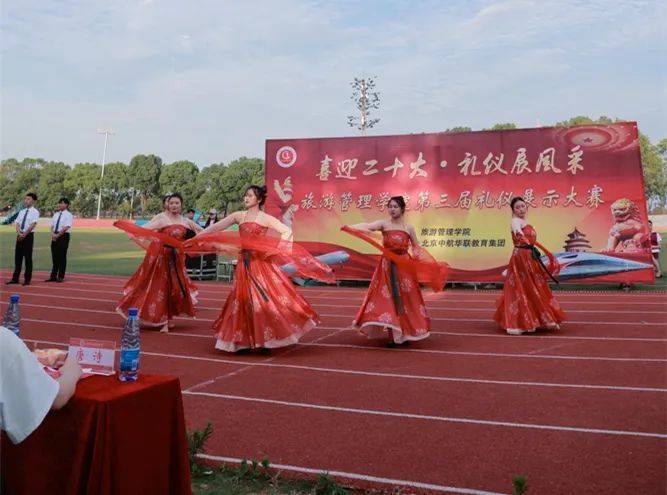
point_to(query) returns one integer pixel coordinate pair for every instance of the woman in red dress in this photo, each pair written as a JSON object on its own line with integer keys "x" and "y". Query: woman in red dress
{"x": 527, "y": 303}
{"x": 160, "y": 288}
{"x": 263, "y": 310}
{"x": 394, "y": 305}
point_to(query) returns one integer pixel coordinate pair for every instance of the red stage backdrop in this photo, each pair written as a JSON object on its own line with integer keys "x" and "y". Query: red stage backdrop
{"x": 583, "y": 184}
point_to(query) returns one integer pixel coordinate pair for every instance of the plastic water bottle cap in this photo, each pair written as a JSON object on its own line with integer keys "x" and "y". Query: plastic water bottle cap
{"x": 14, "y": 298}
{"x": 133, "y": 312}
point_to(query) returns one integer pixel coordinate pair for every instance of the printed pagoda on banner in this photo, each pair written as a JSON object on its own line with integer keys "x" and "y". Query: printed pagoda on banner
{"x": 576, "y": 242}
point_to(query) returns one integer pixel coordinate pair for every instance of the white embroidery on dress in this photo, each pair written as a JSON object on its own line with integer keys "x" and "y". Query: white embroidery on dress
{"x": 385, "y": 292}
{"x": 385, "y": 318}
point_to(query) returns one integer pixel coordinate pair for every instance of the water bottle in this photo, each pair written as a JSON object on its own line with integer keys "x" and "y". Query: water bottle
{"x": 129, "y": 348}
{"x": 12, "y": 320}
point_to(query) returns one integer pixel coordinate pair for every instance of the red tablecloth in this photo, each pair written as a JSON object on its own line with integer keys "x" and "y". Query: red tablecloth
{"x": 111, "y": 438}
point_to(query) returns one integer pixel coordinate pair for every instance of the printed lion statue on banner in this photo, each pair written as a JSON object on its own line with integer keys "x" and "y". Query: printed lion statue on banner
{"x": 629, "y": 233}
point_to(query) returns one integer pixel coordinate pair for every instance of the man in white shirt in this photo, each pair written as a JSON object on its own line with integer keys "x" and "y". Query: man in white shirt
{"x": 61, "y": 225}
{"x": 27, "y": 393}
{"x": 25, "y": 223}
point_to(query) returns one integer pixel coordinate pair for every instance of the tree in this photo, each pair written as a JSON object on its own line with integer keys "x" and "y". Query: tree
{"x": 223, "y": 186}
{"x": 209, "y": 182}
{"x": 661, "y": 148}
{"x": 144, "y": 175}
{"x": 655, "y": 175}
{"x": 583, "y": 119}
{"x": 459, "y": 129}
{"x": 19, "y": 178}
{"x": 365, "y": 99}
{"x": 239, "y": 175}
{"x": 83, "y": 183}
{"x": 503, "y": 126}
{"x": 51, "y": 185}
{"x": 115, "y": 186}
{"x": 181, "y": 177}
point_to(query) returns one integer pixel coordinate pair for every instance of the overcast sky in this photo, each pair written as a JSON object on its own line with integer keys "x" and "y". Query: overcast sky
{"x": 209, "y": 81}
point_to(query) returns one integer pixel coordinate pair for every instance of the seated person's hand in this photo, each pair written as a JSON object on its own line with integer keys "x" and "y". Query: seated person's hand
{"x": 71, "y": 366}
{"x": 54, "y": 358}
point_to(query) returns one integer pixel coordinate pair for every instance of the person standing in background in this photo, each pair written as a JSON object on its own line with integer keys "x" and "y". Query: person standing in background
{"x": 25, "y": 223}
{"x": 212, "y": 217}
{"x": 656, "y": 243}
{"x": 61, "y": 225}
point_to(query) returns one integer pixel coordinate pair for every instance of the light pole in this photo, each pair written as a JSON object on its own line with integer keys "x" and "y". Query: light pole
{"x": 106, "y": 133}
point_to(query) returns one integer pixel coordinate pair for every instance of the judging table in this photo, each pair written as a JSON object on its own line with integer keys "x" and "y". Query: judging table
{"x": 112, "y": 437}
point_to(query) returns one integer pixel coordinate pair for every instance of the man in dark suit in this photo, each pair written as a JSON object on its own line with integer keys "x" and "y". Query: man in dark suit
{"x": 25, "y": 224}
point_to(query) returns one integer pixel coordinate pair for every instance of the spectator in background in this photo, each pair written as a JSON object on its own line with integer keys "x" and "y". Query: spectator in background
{"x": 656, "y": 244}
{"x": 27, "y": 393}
{"x": 25, "y": 224}
{"x": 189, "y": 234}
{"x": 212, "y": 217}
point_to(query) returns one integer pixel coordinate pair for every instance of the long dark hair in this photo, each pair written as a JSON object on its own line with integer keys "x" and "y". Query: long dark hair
{"x": 209, "y": 221}
{"x": 515, "y": 200}
{"x": 259, "y": 192}
{"x": 174, "y": 195}
{"x": 399, "y": 201}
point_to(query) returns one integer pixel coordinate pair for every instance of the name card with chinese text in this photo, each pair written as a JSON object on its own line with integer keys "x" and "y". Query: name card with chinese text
{"x": 94, "y": 356}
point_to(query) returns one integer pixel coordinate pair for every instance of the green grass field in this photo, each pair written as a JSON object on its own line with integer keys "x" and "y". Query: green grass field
{"x": 98, "y": 251}
{"x": 110, "y": 252}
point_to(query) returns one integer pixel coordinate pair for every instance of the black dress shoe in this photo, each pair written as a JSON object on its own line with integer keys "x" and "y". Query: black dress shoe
{"x": 10, "y": 282}
{"x": 50, "y": 280}
{"x": 26, "y": 283}
{"x": 60, "y": 280}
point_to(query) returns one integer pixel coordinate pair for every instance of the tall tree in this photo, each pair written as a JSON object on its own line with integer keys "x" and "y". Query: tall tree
{"x": 115, "y": 186}
{"x": 51, "y": 185}
{"x": 503, "y": 126}
{"x": 19, "y": 178}
{"x": 144, "y": 174}
{"x": 83, "y": 183}
{"x": 223, "y": 186}
{"x": 583, "y": 119}
{"x": 240, "y": 174}
{"x": 210, "y": 183}
{"x": 459, "y": 129}
{"x": 653, "y": 164}
{"x": 180, "y": 177}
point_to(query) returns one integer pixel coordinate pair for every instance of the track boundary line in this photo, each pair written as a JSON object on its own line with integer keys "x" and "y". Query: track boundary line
{"x": 329, "y": 315}
{"x": 391, "y": 375}
{"x": 428, "y": 417}
{"x": 489, "y": 354}
{"x": 359, "y": 477}
{"x": 5, "y": 272}
{"x": 563, "y": 357}
{"x": 431, "y": 308}
{"x": 448, "y": 299}
{"x": 320, "y": 328}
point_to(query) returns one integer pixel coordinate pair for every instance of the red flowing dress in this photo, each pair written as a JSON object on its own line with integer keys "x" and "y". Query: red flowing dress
{"x": 527, "y": 303}
{"x": 394, "y": 302}
{"x": 263, "y": 309}
{"x": 160, "y": 288}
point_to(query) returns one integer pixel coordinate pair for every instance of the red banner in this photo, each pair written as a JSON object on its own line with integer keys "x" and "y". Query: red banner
{"x": 583, "y": 185}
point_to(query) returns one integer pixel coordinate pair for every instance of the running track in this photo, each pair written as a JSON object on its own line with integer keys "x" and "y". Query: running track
{"x": 581, "y": 411}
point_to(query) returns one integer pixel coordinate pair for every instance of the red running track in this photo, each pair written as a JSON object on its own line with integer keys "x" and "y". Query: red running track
{"x": 583, "y": 410}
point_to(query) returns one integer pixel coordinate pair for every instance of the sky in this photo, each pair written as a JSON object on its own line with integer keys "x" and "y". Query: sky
{"x": 211, "y": 80}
